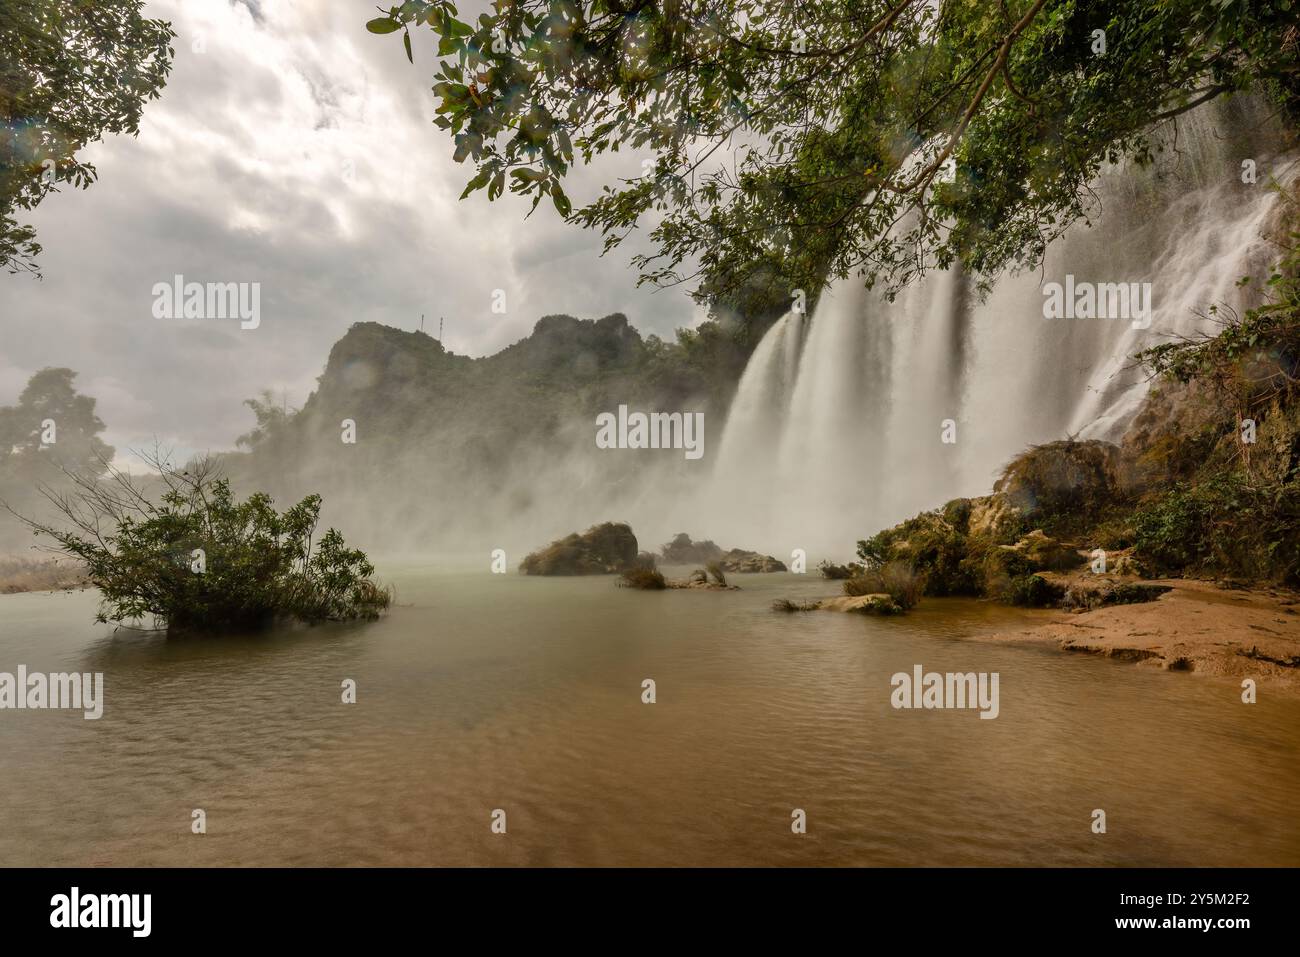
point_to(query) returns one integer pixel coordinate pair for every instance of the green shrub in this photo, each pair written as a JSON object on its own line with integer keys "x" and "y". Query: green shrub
{"x": 957, "y": 514}
{"x": 1172, "y": 532}
{"x": 201, "y": 561}
{"x": 640, "y": 576}
{"x": 931, "y": 547}
{"x": 898, "y": 580}
{"x": 835, "y": 572}
{"x": 1033, "y": 591}
{"x": 786, "y": 605}
{"x": 1226, "y": 524}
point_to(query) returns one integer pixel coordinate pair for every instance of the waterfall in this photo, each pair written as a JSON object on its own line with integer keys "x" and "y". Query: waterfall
{"x": 854, "y": 441}
{"x": 746, "y": 464}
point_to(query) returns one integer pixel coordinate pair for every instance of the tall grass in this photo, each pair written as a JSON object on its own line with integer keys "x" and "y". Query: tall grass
{"x": 895, "y": 579}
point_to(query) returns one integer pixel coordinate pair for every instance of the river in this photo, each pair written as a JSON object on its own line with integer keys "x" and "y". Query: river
{"x": 481, "y": 692}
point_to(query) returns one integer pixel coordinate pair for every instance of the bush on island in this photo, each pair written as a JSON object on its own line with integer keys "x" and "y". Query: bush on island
{"x": 198, "y": 560}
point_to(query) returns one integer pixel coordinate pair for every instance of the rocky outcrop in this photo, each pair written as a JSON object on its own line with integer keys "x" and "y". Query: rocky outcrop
{"x": 1075, "y": 481}
{"x": 682, "y": 551}
{"x": 601, "y": 550}
{"x": 1004, "y": 545}
{"x": 739, "y": 560}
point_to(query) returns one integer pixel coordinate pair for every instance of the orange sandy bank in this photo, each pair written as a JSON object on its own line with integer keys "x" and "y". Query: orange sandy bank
{"x": 1196, "y": 626}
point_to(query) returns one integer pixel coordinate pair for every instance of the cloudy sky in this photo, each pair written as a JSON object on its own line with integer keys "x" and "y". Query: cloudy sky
{"x": 290, "y": 148}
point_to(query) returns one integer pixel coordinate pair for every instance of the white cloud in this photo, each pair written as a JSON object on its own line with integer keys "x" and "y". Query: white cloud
{"x": 297, "y": 150}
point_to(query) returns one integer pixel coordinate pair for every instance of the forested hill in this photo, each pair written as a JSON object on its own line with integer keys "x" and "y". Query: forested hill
{"x": 509, "y": 433}
{"x": 396, "y": 381}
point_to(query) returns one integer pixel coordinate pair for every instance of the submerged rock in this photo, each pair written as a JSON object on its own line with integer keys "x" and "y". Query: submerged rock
{"x": 710, "y": 578}
{"x": 877, "y": 604}
{"x": 697, "y": 584}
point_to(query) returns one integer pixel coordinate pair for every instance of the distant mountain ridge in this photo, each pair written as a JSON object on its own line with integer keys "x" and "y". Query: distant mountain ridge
{"x": 505, "y": 433}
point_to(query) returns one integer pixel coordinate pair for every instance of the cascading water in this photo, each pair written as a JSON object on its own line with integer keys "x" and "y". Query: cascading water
{"x": 854, "y": 442}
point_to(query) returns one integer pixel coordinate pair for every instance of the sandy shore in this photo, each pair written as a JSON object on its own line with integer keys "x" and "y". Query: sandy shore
{"x": 1196, "y": 626}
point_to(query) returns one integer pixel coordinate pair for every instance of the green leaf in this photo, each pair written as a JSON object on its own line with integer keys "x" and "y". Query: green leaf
{"x": 406, "y": 42}
{"x": 383, "y": 25}
{"x": 478, "y": 182}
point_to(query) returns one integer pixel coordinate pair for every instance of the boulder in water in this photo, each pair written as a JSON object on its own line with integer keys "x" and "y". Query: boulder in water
{"x": 601, "y": 550}
{"x": 682, "y": 551}
{"x": 745, "y": 562}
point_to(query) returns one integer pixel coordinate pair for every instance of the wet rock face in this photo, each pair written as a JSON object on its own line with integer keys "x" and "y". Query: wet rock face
{"x": 600, "y": 550}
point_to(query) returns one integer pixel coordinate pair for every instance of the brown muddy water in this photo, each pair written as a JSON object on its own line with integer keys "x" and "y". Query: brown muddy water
{"x": 482, "y": 692}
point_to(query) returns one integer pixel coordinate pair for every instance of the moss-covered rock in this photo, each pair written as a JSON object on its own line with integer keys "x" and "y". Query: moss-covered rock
{"x": 747, "y": 562}
{"x": 994, "y": 518}
{"x": 1069, "y": 484}
{"x": 1047, "y": 554}
{"x": 683, "y": 551}
{"x": 600, "y": 550}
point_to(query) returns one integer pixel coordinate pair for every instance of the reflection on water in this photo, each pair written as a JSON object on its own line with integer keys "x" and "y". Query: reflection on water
{"x": 482, "y": 691}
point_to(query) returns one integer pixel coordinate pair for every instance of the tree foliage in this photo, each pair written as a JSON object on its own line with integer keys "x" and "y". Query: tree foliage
{"x": 71, "y": 71}
{"x": 50, "y": 396}
{"x": 199, "y": 560}
{"x": 273, "y": 419}
{"x": 785, "y": 141}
